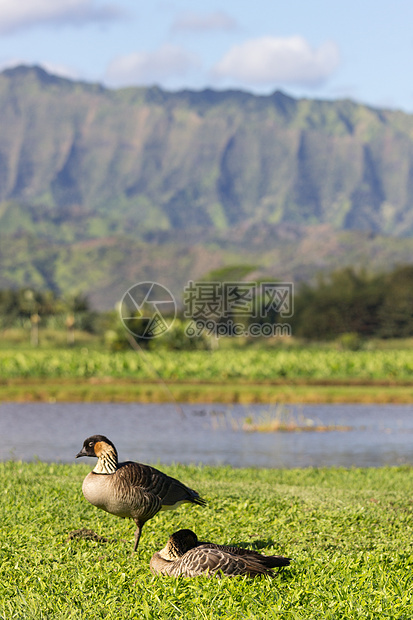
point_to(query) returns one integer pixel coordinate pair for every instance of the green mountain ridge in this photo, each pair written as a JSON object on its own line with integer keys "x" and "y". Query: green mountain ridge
{"x": 104, "y": 269}
{"x": 101, "y": 188}
{"x": 164, "y": 161}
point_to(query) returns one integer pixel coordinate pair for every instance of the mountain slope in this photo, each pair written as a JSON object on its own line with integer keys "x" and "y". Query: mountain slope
{"x": 104, "y": 269}
{"x": 111, "y": 160}
{"x": 102, "y": 188}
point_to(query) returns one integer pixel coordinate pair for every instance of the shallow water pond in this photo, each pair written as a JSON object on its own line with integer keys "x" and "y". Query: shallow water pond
{"x": 211, "y": 434}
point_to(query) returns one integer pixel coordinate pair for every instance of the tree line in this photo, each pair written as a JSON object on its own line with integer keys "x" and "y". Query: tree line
{"x": 20, "y": 306}
{"x": 350, "y": 301}
{"x": 347, "y": 301}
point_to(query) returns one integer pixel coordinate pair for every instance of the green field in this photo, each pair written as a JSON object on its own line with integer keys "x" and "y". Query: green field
{"x": 219, "y": 365}
{"x": 349, "y": 533}
{"x": 245, "y": 375}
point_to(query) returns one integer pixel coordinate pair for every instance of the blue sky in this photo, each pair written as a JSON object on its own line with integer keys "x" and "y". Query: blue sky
{"x": 361, "y": 49}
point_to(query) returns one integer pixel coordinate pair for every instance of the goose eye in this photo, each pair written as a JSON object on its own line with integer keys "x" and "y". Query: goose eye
{"x": 90, "y": 444}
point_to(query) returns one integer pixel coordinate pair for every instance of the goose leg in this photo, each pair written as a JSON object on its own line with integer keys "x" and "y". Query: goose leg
{"x": 138, "y": 532}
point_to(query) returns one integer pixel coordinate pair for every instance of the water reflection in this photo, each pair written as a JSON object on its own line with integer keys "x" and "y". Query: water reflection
{"x": 209, "y": 434}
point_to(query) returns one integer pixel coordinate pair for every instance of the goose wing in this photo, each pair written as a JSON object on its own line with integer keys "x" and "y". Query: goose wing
{"x": 131, "y": 490}
{"x": 206, "y": 561}
{"x": 269, "y": 561}
{"x": 215, "y": 560}
{"x": 170, "y": 491}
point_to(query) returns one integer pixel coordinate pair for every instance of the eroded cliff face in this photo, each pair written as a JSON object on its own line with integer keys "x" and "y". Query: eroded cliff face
{"x": 183, "y": 160}
{"x": 102, "y": 188}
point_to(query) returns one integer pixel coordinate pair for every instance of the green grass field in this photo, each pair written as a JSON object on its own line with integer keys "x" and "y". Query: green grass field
{"x": 349, "y": 532}
{"x": 244, "y": 375}
{"x": 219, "y": 365}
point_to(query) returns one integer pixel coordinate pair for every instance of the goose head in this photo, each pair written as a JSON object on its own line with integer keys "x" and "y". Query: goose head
{"x": 104, "y": 450}
{"x": 179, "y": 543}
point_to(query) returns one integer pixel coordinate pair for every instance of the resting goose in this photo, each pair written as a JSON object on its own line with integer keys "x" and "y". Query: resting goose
{"x": 185, "y": 555}
{"x": 130, "y": 489}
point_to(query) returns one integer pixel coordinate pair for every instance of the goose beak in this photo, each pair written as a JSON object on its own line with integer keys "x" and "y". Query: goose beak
{"x": 81, "y": 453}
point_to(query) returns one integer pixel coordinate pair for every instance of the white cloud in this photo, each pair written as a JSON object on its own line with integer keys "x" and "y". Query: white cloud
{"x": 21, "y": 14}
{"x": 168, "y": 61}
{"x": 190, "y": 21}
{"x": 278, "y": 60}
{"x": 10, "y": 63}
{"x": 53, "y": 68}
{"x": 61, "y": 70}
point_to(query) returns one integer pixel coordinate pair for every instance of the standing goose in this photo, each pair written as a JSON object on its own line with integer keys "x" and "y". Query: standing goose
{"x": 130, "y": 489}
{"x": 185, "y": 555}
